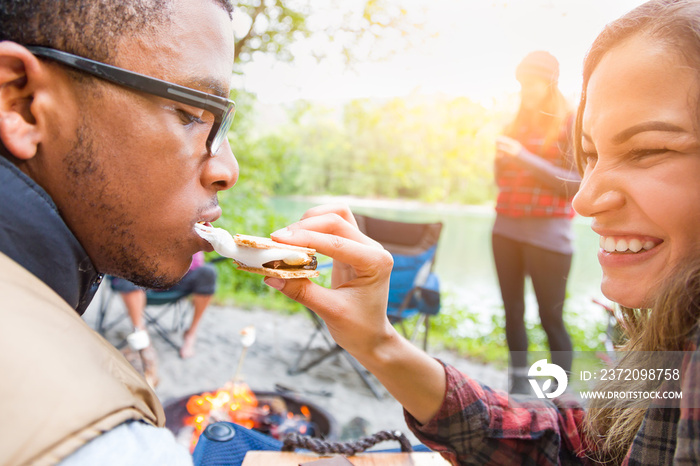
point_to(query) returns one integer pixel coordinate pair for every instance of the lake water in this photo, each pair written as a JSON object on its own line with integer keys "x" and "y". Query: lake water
{"x": 464, "y": 261}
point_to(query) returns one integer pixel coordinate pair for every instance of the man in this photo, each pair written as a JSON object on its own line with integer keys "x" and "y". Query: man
{"x": 96, "y": 178}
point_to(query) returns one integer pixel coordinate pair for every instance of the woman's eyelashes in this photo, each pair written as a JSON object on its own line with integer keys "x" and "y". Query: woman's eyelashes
{"x": 642, "y": 153}
{"x": 636, "y": 154}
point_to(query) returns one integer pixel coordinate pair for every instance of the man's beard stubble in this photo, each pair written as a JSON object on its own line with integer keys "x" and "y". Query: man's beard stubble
{"x": 118, "y": 253}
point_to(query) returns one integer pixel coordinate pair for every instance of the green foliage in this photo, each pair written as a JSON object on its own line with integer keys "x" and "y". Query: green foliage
{"x": 462, "y": 330}
{"x": 434, "y": 149}
{"x": 424, "y": 149}
{"x": 246, "y": 210}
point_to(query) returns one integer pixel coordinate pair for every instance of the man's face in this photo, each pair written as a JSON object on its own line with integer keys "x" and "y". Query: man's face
{"x": 135, "y": 176}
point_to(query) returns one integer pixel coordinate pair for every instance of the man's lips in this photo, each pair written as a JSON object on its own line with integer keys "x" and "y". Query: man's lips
{"x": 206, "y": 219}
{"x": 211, "y": 215}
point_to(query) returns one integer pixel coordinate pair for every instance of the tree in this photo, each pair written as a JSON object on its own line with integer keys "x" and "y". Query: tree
{"x": 268, "y": 26}
{"x": 356, "y": 29}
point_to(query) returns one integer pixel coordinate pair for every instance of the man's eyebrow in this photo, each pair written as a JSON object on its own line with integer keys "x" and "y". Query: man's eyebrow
{"x": 209, "y": 85}
{"x": 626, "y": 134}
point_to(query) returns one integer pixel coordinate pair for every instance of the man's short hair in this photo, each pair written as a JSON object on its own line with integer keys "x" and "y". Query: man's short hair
{"x": 90, "y": 28}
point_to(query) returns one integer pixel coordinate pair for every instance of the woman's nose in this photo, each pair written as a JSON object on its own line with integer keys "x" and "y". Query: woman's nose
{"x": 599, "y": 192}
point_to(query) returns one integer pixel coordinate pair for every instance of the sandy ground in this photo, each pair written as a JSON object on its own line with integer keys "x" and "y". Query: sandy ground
{"x": 332, "y": 385}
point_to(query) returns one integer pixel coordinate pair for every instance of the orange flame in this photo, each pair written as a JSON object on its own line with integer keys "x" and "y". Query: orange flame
{"x": 235, "y": 401}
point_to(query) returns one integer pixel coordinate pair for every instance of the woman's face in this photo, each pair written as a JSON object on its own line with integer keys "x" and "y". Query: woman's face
{"x": 641, "y": 186}
{"x": 533, "y": 92}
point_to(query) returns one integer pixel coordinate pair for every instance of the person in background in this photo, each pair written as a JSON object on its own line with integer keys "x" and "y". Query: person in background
{"x": 199, "y": 281}
{"x": 637, "y": 137}
{"x": 532, "y": 233}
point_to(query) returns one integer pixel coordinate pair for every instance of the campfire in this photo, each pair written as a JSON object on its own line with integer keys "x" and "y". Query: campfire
{"x": 237, "y": 403}
{"x": 272, "y": 413}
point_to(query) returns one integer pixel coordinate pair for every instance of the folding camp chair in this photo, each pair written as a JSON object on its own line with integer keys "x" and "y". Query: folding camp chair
{"x": 158, "y": 305}
{"x": 413, "y": 289}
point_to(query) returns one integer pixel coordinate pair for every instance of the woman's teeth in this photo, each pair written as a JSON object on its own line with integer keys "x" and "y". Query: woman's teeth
{"x": 610, "y": 244}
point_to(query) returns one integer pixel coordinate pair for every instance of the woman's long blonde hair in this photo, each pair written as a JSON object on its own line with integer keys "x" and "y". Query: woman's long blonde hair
{"x": 611, "y": 425}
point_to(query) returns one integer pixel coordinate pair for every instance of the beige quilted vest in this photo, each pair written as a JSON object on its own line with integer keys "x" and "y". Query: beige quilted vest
{"x": 61, "y": 384}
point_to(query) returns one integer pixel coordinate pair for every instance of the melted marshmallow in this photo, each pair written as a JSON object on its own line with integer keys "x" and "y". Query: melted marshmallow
{"x": 224, "y": 244}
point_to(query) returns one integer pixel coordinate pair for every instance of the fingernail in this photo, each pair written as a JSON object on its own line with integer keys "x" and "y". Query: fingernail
{"x": 276, "y": 283}
{"x": 282, "y": 233}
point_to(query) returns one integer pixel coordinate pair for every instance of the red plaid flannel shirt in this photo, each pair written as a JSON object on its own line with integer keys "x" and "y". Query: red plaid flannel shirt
{"x": 477, "y": 425}
{"x": 520, "y": 192}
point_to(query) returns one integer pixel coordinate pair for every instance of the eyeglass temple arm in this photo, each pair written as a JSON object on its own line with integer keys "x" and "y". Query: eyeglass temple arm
{"x": 135, "y": 80}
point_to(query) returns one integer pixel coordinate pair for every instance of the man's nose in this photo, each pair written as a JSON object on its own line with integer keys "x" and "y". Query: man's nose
{"x": 222, "y": 168}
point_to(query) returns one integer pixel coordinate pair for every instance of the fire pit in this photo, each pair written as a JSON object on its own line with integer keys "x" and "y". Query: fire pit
{"x": 271, "y": 413}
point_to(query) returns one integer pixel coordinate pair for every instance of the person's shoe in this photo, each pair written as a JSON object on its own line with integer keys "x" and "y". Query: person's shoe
{"x": 520, "y": 386}
{"x": 520, "y": 383}
{"x": 138, "y": 340}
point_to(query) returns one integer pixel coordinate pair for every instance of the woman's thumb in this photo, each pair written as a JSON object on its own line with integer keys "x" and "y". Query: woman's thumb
{"x": 297, "y": 289}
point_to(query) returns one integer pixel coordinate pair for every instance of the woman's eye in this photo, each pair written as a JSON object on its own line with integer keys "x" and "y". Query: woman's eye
{"x": 642, "y": 153}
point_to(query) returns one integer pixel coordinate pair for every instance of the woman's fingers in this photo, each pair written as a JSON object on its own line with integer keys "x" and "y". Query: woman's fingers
{"x": 366, "y": 259}
{"x": 342, "y": 210}
{"x": 354, "y": 308}
{"x": 329, "y": 223}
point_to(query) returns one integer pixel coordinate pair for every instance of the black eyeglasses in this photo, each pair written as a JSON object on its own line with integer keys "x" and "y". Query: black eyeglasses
{"x": 223, "y": 109}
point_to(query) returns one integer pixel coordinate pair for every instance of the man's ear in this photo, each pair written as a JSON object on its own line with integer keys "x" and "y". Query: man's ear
{"x": 21, "y": 74}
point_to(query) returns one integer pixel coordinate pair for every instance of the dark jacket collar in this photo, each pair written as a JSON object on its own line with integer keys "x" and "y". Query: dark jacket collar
{"x": 33, "y": 234}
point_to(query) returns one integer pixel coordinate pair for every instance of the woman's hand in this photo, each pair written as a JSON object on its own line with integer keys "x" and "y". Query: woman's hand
{"x": 506, "y": 146}
{"x": 354, "y": 308}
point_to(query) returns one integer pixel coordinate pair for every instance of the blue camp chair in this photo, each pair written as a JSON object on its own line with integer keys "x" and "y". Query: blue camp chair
{"x": 414, "y": 288}
{"x": 159, "y": 304}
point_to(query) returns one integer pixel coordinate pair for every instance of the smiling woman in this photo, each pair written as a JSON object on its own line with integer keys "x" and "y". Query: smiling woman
{"x": 641, "y": 166}
{"x": 641, "y": 151}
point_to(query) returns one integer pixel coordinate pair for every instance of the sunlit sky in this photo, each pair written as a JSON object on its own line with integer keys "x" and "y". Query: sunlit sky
{"x": 478, "y": 46}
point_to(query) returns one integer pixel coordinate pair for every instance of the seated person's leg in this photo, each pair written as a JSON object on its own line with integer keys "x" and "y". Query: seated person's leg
{"x": 201, "y": 283}
{"x": 134, "y": 299}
